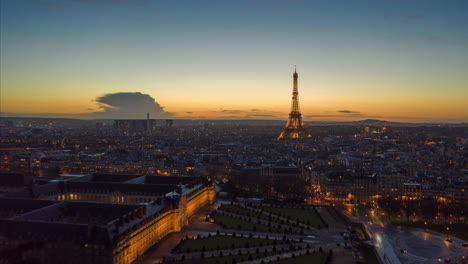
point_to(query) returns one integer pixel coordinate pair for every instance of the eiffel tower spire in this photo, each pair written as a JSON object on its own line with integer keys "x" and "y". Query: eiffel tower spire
{"x": 295, "y": 126}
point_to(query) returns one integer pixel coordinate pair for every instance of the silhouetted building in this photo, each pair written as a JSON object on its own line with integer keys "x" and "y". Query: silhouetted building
{"x": 135, "y": 125}
{"x": 169, "y": 123}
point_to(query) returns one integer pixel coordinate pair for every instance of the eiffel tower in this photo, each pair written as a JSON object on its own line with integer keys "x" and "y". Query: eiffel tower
{"x": 295, "y": 126}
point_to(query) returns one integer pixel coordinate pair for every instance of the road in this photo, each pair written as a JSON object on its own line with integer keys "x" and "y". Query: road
{"x": 421, "y": 246}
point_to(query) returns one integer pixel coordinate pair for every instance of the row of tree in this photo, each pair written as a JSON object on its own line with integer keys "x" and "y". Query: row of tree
{"x": 432, "y": 209}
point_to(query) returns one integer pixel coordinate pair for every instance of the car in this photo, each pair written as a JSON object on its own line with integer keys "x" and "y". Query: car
{"x": 449, "y": 240}
{"x": 403, "y": 251}
{"x": 447, "y": 260}
{"x": 464, "y": 245}
{"x": 311, "y": 236}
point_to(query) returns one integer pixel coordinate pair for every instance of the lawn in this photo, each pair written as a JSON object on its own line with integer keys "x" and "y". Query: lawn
{"x": 224, "y": 259}
{"x": 305, "y": 216}
{"x": 236, "y": 209}
{"x": 222, "y": 242}
{"x": 336, "y": 215}
{"x": 229, "y": 222}
{"x": 313, "y": 258}
{"x": 249, "y": 212}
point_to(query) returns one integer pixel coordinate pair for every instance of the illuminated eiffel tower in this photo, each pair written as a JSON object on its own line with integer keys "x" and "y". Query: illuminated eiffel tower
{"x": 295, "y": 126}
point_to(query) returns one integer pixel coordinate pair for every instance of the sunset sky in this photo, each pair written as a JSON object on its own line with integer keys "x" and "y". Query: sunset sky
{"x": 391, "y": 60}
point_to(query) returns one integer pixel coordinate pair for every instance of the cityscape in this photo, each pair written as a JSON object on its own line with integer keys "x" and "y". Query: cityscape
{"x": 141, "y": 132}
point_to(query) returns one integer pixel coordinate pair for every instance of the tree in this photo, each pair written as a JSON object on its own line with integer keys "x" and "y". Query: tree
{"x": 428, "y": 208}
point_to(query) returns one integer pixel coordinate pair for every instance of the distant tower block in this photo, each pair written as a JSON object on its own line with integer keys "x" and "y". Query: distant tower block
{"x": 169, "y": 123}
{"x": 148, "y": 129}
{"x": 295, "y": 126}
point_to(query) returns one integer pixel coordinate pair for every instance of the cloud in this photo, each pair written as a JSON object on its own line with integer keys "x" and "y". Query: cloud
{"x": 341, "y": 114}
{"x": 193, "y": 117}
{"x": 360, "y": 116}
{"x": 264, "y": 116}
{"x": 232, "y": 112}
{"x": 247, "y": 114}
{"x": 348, "y": 112}
{"x": 129, "y": 105}
{"x": 312, "y": 116}
{"x": 230, "y": 117}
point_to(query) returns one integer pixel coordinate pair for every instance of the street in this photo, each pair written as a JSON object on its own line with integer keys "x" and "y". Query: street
{"x": 421, "y": 246}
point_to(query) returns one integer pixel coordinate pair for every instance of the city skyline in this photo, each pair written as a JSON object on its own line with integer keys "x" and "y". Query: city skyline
{"x": 90, "y": 59}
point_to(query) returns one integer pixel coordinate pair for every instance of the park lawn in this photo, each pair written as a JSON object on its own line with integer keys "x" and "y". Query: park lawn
{"x": 305, "y": 216}
{"x": 249, "y": 212}
{"x": 224, "y": 259}
{"x": 229, "y": 222}
{"x": 456, "y": 230}
{"x": 313, "y": 258}
{"x": 236, "y": 209}
{"x": 336, "y": 215}
{"x": 223, "y": 242}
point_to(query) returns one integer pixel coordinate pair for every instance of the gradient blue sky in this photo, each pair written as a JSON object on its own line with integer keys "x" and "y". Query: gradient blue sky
{"x": 394, "y": 60}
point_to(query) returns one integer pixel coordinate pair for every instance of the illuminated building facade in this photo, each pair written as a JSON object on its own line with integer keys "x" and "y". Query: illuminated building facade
{"x": 100, "y": 218}
{"x": 346, "y": 186}
{"x": 295, "y": 126}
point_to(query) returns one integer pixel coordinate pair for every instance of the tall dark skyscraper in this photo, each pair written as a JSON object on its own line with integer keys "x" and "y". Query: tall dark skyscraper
{"x": 295, "y": 126}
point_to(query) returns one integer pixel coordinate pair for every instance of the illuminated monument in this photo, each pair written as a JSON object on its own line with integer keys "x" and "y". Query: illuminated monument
{"x": 295, "y": 126}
